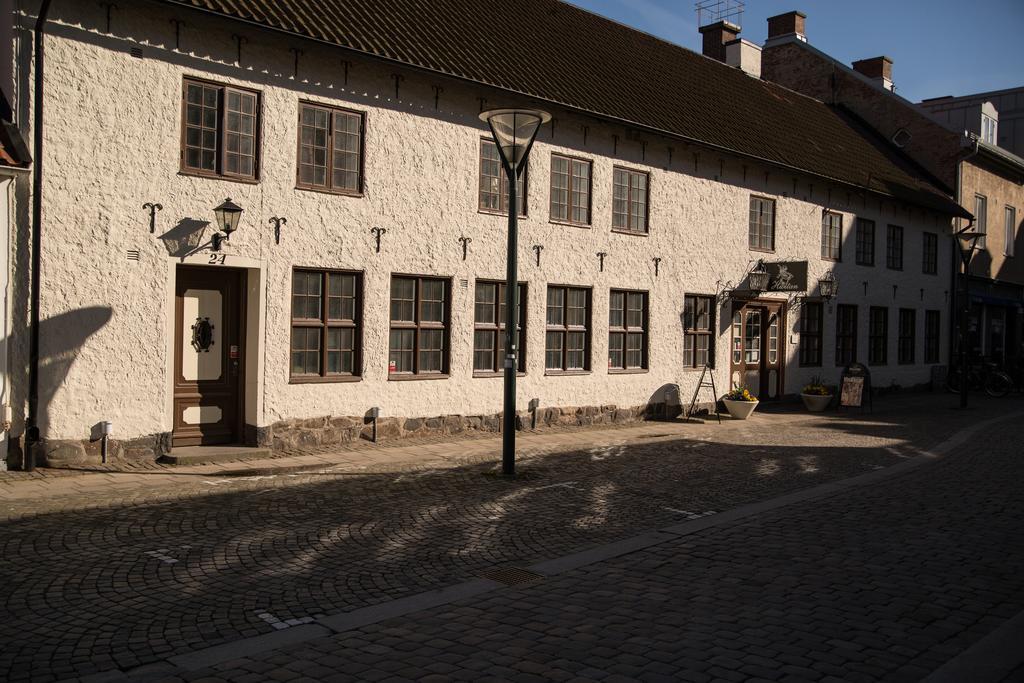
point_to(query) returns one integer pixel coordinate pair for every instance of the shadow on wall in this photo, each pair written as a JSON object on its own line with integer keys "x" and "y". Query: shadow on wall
{"x": 60, "y": 339}
{"x": 184, "y": 238}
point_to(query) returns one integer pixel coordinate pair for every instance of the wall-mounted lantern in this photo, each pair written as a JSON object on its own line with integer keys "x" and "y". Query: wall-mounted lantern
{"x": 828, "y": 286}
{"x": 228, "y": 214}
{"x": 758, "y": 278}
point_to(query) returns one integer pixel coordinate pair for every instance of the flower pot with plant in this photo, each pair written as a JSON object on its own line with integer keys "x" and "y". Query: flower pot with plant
{"x": 740, "y": 403}
{"x": 816, "y": 396}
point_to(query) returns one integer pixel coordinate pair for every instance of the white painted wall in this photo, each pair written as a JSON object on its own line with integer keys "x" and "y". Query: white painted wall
{"x": 113, "y": 127}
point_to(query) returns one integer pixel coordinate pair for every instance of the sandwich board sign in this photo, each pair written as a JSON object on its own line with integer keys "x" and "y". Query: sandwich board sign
{"x": 855, "y": 386}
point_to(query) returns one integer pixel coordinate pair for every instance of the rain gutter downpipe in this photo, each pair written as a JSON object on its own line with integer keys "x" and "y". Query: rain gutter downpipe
{"x": 31, "y": 422}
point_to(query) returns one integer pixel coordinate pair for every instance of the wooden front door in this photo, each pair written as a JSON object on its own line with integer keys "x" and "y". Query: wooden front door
{"x": 757, "y": 347}
{"x": 208, "y": 356}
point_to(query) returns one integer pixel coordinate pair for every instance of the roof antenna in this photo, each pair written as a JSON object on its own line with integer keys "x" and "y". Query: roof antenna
{"x": 712, "y": 11}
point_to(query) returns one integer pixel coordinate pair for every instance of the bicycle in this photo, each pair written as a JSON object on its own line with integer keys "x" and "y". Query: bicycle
{"x": 985, "y": 376}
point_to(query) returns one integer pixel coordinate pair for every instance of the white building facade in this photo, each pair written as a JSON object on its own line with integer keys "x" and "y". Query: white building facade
{"x": 306, "y": 317}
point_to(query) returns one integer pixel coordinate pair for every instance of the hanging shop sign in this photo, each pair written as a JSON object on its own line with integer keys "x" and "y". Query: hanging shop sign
{"x": 787, "y": 276}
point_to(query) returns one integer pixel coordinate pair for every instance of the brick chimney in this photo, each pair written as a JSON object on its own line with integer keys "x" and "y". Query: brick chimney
{"x": 788, "y": 24}
{"x": 716, "y": 35}
{"x": 878, "y": 69}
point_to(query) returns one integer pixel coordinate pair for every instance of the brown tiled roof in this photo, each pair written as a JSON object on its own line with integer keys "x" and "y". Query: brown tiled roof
{"x": 561, "y": 54}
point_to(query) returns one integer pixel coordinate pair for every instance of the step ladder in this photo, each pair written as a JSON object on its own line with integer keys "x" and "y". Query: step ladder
{"x": 706, "y": 381}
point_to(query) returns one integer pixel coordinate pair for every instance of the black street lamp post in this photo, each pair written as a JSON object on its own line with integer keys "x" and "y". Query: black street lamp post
{"x": 514, "y": 131}
{"x": 967, "y": 242}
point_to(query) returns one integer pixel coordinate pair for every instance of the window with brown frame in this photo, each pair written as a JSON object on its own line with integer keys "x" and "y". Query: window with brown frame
{"x": 326, "y": 325}
{"x": 698, "y": 331}
{"x": 418, "y": 342}
{"x": 865, "y": 255}
{"x": 330, "y": 149}
{"x": 627, "y": 330}
{"x": 567, "y": 338}
{"x": 932, "y": 334}
{"x": 811, "y": 328}
{"x": 908, "y": 336}
{"x": 494, "y": 182}
{"x": 846, "y": 334}
{"x": 832, "y": 237}
{"x": 629, "y": 201}
{"x": 761, "y": 235}
{"x": 489, "y": 328}
{"x": 570, "y": 189}
{"x": 219, "y": 130}
{"x": 930, "y": 253}
{"x": 894, "y": 248}
{"x": 878, "y": 335}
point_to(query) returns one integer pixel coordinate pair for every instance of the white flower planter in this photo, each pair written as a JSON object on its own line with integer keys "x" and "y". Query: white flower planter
{"x": 739, "y": 410}
{"x": 816, "y": 403}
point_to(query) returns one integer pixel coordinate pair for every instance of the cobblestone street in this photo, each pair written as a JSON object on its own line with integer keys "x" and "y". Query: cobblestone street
{"x": 887, "y": 580}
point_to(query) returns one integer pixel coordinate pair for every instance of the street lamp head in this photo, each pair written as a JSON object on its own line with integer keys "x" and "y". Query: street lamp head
{"x": 228, "y": 215}
{"x": 828, "y": 286}
{"x": 514, "y": 131}
{"x": 968, "y": 240}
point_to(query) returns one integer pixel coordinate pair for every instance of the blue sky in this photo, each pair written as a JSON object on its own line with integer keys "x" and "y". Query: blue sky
{"x": 938, "y": 47}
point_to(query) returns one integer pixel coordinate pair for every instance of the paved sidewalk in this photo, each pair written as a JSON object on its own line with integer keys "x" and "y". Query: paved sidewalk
{"x": 884, "y": 582}
{"x": 113, "y": 571}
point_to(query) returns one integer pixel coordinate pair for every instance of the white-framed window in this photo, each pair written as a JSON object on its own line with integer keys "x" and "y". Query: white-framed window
{"x": 981, "y": 218}
{"x": 1010, "y": 218}
{"x": 988, "y": 129}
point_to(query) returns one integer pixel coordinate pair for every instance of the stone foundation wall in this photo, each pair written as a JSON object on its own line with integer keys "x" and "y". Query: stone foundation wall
{"x": 67, "y": 453}
{"x": 329, "y": 431}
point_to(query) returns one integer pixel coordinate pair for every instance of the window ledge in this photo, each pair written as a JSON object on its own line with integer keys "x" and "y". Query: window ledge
{"x": 331, "y": 379}
{"x": 218, "y": 176}
{"x": 327, "y": 190}
{"x": 406, "y": 377}
{"x": 761, "y": 250}
{"x": 632, "y": 233}
{"x": 627, "y": 371}
{"x": 570, "y": 224}
{"x": 496, "y": 374}
{"x": 700, "y": 369}
{"x": 564, "y": 373}
{"x": 488, "y": 212}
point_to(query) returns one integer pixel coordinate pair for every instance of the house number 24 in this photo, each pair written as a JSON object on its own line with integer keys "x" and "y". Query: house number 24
{"x": 218, "y": 258}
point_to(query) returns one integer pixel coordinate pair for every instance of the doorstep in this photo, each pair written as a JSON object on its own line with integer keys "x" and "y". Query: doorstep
{"x": 204, "y": 455}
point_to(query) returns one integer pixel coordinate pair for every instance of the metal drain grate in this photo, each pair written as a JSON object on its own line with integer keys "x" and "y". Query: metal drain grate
{"x": 511, "y": 576}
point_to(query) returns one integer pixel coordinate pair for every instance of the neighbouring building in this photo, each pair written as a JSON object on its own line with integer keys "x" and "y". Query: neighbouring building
{"x": 968, "y": 145}
{"x": 997, "y": 117}
{"x": 14, "y": 164}
{"x": 365, "y": 269}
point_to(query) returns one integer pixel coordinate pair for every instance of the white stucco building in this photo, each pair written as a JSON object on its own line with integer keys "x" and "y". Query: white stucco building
{"x": 684, "y": 176}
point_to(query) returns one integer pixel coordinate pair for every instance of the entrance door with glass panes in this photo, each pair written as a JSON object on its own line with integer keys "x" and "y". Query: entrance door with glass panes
{"x": 757, "y": 347}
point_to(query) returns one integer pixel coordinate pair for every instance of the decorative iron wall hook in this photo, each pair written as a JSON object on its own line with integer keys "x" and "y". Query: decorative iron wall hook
{"x": 657, "y": 262}
{"x": 894, "y": 291}
{"x": 238, "y": 47}
{"x": 865, "y": 288}
{"x": 277, "y": 222}
{"x": 600, "y": 256}
{"x": 109, "y": 6}
{"x": 377, "y": 233}
{"x": 437, "y": 96}
{"x": 398, "y": 78}
{"x": 297, "y": 52}
{"x": 465, "y": 245}
{"x": 153, "y": 208}
{"x": 346, "y": 65}
{"x": 537, "y": 248}
{"x": 178, "y": 23}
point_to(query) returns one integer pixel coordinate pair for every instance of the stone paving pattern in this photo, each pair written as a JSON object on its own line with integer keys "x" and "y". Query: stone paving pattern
{"x": 101, "y": 579}
{"x": 882, "y": 583}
